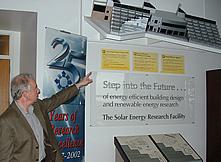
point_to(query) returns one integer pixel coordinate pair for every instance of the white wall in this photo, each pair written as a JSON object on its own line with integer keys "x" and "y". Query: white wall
{"x": 66, "y": 15}
{"x": 99, "y": 140}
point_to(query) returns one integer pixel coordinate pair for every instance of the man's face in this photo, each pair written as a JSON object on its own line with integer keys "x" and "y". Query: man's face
{"x": 32, "y": 94}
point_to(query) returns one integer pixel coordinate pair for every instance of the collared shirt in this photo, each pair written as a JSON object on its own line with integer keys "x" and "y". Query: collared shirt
{"x": 36, "y": 127}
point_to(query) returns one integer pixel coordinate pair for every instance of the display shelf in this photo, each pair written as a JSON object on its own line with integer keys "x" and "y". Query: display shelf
{"x": 104, "y": 29}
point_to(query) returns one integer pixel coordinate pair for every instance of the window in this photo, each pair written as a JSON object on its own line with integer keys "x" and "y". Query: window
{"x": 4, "y": 44}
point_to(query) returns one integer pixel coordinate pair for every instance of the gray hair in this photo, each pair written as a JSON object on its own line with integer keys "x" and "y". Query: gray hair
{"x": 19, "y": 84}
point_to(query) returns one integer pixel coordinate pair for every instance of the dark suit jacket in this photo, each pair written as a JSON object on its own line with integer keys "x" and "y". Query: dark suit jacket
{"x": 17, "y": 140}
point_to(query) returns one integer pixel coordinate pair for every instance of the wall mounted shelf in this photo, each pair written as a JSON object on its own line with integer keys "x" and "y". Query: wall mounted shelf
{"x": 104, "y": 29}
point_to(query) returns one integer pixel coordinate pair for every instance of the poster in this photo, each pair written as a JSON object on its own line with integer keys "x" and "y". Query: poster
{"x": 145, "y": 62}
{"x": 64, "y": 65}
{"x": 115, "y": 59}
{"x": 173, "y": 64}
{"x": 141, "y": 99}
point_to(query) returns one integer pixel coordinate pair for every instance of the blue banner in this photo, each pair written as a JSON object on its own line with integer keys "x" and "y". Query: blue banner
{"x": 65, "y": 61}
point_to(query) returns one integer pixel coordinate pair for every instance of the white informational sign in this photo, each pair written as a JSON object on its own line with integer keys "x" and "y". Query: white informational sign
{"x": 141, "y": 99}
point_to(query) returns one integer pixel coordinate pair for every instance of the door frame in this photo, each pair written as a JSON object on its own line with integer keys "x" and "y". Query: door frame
{"x": 14, "y": 53}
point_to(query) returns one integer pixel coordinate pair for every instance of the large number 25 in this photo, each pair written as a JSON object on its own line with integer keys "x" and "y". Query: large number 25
{"x": 63, "y": 60}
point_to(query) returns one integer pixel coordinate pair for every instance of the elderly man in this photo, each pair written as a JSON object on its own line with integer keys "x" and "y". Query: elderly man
{"x": 25, "y": 131}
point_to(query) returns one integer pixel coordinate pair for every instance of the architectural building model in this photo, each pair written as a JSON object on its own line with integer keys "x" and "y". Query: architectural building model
{"x": 124, "y": 19}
